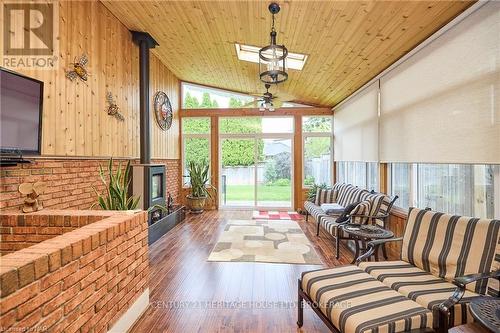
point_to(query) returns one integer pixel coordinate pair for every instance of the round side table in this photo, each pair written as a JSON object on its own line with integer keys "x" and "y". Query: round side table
{"x": 486, "y": 310}
{"x": 362, "y": 233}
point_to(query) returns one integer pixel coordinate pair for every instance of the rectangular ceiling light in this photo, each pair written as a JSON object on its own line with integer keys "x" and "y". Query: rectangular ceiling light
{"x": 251, "y": 53}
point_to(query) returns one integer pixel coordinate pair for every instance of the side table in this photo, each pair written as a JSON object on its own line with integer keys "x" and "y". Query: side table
{"x": 362, "y": 233}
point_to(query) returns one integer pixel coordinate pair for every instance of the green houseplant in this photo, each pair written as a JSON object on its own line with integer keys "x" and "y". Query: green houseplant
{"x": 199, "y": 178}
{"x": 311, "y": 193}
{"x": 116, "y": 184}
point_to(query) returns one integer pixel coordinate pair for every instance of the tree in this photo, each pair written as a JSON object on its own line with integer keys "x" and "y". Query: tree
{"x": 315, "y": 147}
{"x": 318, "y": 124}
{"x": 206, "y": 102}
{"x": 191, "y": 102}
{"x": 215, "y": 105}
{"x": 235, "y": 102}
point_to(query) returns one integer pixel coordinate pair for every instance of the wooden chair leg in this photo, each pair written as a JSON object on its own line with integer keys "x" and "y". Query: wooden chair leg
{"x": 307, "y": 215}
{"x": 300, "y": 308}
{"x": 317, "y": 228}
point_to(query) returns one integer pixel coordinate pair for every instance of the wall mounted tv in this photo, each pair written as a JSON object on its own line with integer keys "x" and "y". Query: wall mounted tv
{"x": 21, "y": 100}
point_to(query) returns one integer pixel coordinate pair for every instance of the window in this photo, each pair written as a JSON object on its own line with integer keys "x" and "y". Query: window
{"x": 400, "y": 183}
{"x": 317, "y": 150}
{"x": 251, "y": 53}
{"x": 461, "y": 189}
{"x": 201, "y": 97}
{"x": 195, "y": 142}
{"x": 361, "y": 174}
{"x": 252, "y": 125}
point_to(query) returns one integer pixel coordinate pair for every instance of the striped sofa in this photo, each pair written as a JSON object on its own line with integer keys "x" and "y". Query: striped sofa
{"x": 370, "y": 207}
{"x": 445, "y": 261}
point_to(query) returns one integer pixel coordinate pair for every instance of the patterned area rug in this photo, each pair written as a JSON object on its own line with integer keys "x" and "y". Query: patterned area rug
{"x": 275, "y": 215}
{"x": 271, "y": 241}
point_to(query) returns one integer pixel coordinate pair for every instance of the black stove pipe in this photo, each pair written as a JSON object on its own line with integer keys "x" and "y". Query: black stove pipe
{"x": 145, "y": 42}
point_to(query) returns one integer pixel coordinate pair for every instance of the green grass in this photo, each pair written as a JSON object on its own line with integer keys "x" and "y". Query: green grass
{"x": 265, "y": 193}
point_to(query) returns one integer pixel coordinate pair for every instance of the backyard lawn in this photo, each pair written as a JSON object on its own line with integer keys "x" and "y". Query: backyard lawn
{"x": 264, "y": 192}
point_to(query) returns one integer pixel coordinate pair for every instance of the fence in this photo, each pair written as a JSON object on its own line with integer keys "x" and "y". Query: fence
{"x": 243, "y": 175}
{"x": 320, "y": 168}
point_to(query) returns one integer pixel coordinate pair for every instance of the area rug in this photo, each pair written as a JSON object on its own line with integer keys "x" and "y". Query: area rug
{"x": 275, "y": 215}
{"x": 271, "y": 241}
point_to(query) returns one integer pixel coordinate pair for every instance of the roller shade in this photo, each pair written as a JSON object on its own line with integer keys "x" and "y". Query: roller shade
{"x": 442, "y": 105}
{"x": 356, "y": 127}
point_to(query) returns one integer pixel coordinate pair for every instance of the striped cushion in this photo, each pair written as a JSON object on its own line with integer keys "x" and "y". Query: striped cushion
{"x": 314, "y": 210}
{"x": 494, "y": 284}
{"x": 325, "y": 196}
{"x": 330, "y": 224}
{"x": 363, "y": 208}
{"x": 448, "y": 246}
{"x": 420, "y": 286}
{"x": 380, "y": 206}
{"x": 348, "y": 195}
{"x": 355, "y": 302}
{"x": 338, "y": 186}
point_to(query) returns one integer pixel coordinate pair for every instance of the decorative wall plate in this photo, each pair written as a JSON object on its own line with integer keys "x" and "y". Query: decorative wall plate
{"x": 163, "y": 110}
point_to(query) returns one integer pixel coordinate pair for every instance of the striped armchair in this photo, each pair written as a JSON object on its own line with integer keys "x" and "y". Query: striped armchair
{"x": 445, "y": 261}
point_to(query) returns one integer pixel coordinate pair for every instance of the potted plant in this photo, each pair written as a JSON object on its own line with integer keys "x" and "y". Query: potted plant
{"x": 199, "y": 181}
{"x": 116, "y": 184}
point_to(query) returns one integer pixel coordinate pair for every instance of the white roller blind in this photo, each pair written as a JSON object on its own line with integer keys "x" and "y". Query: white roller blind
{"x": 442, "y": 105}
{"x": 356, "y": 127}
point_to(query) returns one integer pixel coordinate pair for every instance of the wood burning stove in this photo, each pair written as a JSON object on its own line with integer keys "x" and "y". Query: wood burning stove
{"x": 148, "y": 182}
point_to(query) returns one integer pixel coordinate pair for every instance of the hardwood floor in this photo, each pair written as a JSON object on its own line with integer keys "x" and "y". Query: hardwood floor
{"x": 189, "y": 294}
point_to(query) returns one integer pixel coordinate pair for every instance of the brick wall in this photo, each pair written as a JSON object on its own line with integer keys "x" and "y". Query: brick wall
{"x": 82, "y": 281}
{"x": 69, "y": 182}
{"x": 20, "y": 231}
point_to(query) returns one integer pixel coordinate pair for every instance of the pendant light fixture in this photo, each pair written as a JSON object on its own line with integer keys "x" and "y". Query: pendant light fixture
{"x": 272, "y": 58}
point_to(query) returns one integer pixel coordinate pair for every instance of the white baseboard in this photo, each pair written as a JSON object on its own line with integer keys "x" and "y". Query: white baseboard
{"x": 133, "y": 313}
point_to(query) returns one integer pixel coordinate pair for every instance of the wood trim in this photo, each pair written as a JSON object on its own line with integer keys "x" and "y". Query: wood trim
{"x": 230, "y": 112}
{"x": 383, "y": 176}
{"x": 334, "y": 172}
{"x": 181, "y": 151}
{"x": 298, "y": 162}
{"x": 399, "y": 212}
{"x": 214, "y": 157}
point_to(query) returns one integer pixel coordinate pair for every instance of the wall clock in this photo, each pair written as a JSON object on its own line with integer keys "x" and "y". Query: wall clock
{"x": 163, "y": 110}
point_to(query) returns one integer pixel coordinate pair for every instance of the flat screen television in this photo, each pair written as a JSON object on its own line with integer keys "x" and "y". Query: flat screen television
{"x": 21, "y": 100}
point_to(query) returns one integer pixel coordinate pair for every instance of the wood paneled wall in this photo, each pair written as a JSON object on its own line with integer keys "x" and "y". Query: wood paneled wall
{"x": 164, "y": 144}
{"x": 75, "y": 120}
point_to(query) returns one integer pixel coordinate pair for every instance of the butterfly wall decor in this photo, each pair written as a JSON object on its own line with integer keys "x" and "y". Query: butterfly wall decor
{"x": 113, "y": 109}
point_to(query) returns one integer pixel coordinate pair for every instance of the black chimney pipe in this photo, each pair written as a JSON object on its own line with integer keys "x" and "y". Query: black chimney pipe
{"x": 145, "y": 42}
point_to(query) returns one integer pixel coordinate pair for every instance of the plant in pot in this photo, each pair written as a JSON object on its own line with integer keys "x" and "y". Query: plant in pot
{"x": 116, "y": 185}
{"x": 199, "y": 178}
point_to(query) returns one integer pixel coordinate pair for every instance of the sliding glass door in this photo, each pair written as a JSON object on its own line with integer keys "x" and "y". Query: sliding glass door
{"x": 274, "y": 173}
{"x": 237, "y": 172}
{"x": 256, "y": 162}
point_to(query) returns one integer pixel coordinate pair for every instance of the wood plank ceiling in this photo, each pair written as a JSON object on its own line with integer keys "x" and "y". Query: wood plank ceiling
{"x": 348, "y": 42}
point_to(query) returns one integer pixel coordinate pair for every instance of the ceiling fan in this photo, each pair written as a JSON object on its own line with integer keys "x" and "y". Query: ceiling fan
{"x": 266, "y": 101}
